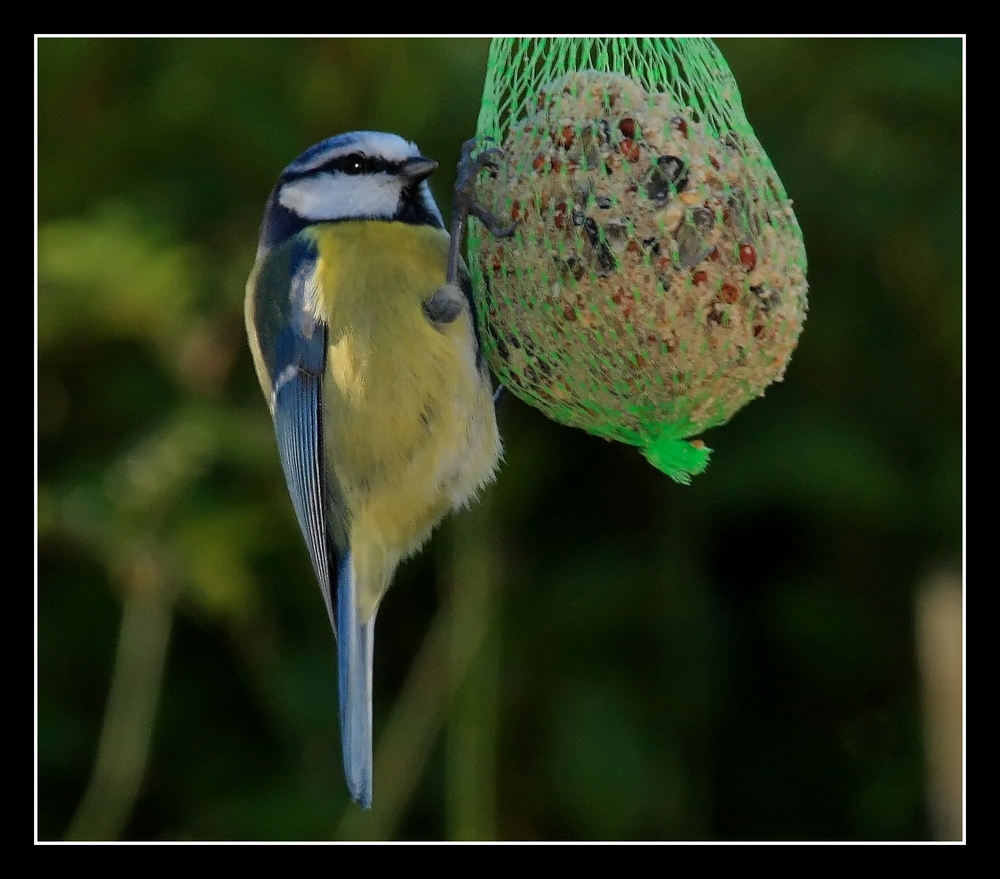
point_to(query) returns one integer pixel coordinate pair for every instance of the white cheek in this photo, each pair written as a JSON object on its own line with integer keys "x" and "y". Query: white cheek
{"x": 340, "y": 196}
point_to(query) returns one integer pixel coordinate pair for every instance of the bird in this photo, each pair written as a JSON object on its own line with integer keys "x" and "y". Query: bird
{"x": 363, "y": 335}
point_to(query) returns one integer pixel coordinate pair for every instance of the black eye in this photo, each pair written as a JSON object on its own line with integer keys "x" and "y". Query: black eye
{"x": 355, "y": 163}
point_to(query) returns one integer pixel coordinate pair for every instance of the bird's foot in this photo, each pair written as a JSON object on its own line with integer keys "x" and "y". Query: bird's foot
{"x": 469, "y": 168}
{"x": 465, "y": 203}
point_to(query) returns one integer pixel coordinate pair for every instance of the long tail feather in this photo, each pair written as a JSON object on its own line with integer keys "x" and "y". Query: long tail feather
{"x": 355, "y": 647}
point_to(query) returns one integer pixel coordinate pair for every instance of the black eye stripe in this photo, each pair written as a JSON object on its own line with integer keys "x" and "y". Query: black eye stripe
{"x": 359, "y": 163}
{"x": 352, "y": 164}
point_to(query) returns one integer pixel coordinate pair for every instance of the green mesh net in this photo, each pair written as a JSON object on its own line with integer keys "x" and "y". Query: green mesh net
{"x": 656, "y": 280}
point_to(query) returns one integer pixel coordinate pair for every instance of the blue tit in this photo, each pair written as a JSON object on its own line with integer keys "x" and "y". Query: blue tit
{"x": 367, "y": 354}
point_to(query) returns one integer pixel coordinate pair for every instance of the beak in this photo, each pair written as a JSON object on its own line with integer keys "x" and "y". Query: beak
{"x": 419, "y": 168}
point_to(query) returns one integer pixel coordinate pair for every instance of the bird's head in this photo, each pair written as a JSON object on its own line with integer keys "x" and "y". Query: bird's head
{"x": 360, "y": 175}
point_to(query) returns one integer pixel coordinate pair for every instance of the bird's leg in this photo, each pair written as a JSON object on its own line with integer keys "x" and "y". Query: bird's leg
{"x": 465, "y": 204}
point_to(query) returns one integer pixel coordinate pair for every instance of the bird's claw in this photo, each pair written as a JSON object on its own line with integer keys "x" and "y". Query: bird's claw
{"x": 491, "y": 222}
{"x": 469, "y": 166}
{"x": 465, "y": 203}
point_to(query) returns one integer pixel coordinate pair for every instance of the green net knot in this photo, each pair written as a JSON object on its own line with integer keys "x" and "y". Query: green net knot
{"x": 680, "y": 459}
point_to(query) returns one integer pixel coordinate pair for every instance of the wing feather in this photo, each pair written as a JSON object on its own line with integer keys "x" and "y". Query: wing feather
{"x": 293, "y": 339}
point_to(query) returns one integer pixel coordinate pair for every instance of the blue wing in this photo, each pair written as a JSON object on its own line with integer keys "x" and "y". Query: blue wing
{"x": 293, "y": 344}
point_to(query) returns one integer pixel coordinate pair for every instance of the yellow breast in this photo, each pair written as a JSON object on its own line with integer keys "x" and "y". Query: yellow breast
{"x": 408, "y": 419}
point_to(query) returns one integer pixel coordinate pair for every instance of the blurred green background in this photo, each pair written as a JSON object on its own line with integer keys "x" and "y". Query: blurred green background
{"x": 620, "y": 657}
